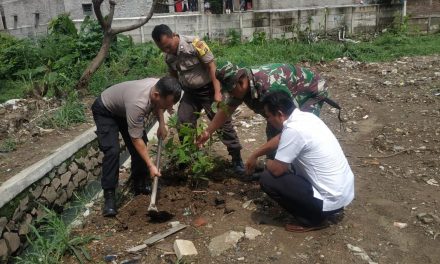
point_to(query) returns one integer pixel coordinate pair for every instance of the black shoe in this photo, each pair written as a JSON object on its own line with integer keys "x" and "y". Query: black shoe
{"x": 109, "y": 203}
{"x": 238, "y": 166}
{"x": 255, "y": 176}
{"x": 237, "y": 162}
{"x": 145, "y": 190}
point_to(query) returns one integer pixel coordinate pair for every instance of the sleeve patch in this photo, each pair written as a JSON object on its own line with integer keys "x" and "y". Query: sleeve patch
{"x": 201, "y": 47}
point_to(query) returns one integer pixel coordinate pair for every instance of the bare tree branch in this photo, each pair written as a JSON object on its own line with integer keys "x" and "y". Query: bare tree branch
{"x": 136, "y": 25}
{"x": 97, "y": 8}
{"x": 111, "y": 13}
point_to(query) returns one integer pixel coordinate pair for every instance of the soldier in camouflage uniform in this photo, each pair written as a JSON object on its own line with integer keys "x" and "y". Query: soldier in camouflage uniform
{"x": 191, "y": 61}
{"x": 307, "y": 89}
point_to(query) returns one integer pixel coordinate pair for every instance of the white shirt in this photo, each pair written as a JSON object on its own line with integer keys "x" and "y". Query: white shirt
{"x": 315, "y": 153}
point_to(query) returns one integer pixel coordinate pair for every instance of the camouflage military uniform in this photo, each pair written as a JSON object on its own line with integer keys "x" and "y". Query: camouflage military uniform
{"x": 307, "y": 88}
{"x": 190, "y": 65}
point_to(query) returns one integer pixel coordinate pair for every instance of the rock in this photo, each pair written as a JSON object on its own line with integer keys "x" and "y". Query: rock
{"x": 400, "y": 225}
{"x": 174, "y": 223}
{"x": 24, "y": 227}
{"x": 240, "y": 258}
{"x": 36, "y": 192}
{"x": 81, "y": 175}
{"x": 97, "y": 171}
{"x": 45, "y": 181}
{"x": 62, "y": 198}
{"x": 250, "y": 205}
{"x": 24, "y": 203}
{"x": 3, "y": 222}
{"x": 134, "y": 260}
{"x": 62, "y": 168}
{"x": 4, "y": 251}
{"x": 110, "y": 258}
{"x": 199, "y": 221}
{"x": 100, "y": 157}
{"x": 17, "y": 214}
{"x": 49, "y": 194}
{"x": 12, "y": 240}
{"x": 357, "y": 251}
{"x": 223, "y": 242}
{"x": 91, "y": 152}
{"x": 88, "y": 164}
{"x": 70, "y": 189}
{"x": 80, "y": 162}
{"x": 219, "y": 201}
{"x": 94, "y": 162}
{"x": 387, "y": 83}
{"x": 251, "y": 233}
{"x": 425, "y": 218}
{"x": 65, "y": 178}
{"x": 73, "y": 168}
{"x": 184, "y": 249}
{"x": 90, "y": 177}
{"x": 56, "y": 182}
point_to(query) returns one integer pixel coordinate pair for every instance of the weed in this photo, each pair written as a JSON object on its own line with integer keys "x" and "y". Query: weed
{"x": 8, "y": 145}
{"x": 71, "y": 112}
{"x": 50, "y": 239}
{"x": 233, "y": 37}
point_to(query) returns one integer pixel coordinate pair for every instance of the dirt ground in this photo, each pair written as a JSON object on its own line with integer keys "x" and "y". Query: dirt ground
{"x": 20, "y": 122}
{"x": 391, "y": 139}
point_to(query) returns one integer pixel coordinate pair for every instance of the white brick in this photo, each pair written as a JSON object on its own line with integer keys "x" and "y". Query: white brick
{"x": 184, "y": 248}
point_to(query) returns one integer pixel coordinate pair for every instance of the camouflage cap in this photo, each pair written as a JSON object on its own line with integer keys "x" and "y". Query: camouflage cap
{"x": 229, "y": 74}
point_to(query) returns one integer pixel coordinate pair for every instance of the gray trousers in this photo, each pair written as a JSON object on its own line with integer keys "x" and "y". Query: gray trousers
{"x": 193, "y": 101}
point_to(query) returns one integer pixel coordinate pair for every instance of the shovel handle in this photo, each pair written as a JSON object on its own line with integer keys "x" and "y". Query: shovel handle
{"x": 155, "y": 179}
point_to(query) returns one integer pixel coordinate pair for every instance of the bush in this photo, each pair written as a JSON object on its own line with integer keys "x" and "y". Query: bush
{"x": 62, "y": 25}
{"x": 50, "y": 239}
{"x": 71, "y": 112}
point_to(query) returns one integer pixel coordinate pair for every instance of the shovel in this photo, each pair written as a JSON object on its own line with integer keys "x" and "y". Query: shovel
{"x": 156, "y": 215}
{"x": 152, "y": 209}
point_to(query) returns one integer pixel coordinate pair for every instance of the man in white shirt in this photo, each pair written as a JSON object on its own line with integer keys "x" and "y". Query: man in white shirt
{"x": 310, "y": 176}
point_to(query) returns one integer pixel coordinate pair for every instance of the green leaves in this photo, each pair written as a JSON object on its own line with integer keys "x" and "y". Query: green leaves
{"x": 184, "y": 152}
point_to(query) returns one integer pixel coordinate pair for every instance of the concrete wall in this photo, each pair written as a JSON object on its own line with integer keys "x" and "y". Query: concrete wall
{"x": 21, "y": 15}
{"x": 53, "y": 190}
{"x": 275, "y": 23}
{"x": 124, "y": 8}
{"x": 269, "y": 4}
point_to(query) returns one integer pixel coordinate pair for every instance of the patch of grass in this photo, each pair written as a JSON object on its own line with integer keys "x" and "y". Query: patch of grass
{"x": 50, "y": 239}
{"x": 71, "y": 112}
{"x": 8, "y": 145}
{"x": 12, "y": 90}
{"x": 386, "y": 47}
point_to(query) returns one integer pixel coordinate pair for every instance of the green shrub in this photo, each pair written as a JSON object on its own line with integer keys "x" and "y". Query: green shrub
{"x": 50, "y": 239}
{"x": 233, "y": 37}
{"x": 184, "y": 152}
{"x": 8, "y": 145}
{"x": 62, "y": 25}
{"x": 71, "y": 112}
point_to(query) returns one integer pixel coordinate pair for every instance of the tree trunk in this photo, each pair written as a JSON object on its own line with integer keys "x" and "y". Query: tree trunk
{"x": 84, "y": 81}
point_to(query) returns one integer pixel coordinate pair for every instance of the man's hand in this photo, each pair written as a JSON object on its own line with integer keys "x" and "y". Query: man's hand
{"x": 162, "y": 132}
{"x": 218, "y": 97}
{"x": 202, "y": 138}
{"x": 154, "y": 172}
{"x": 250, "y": 165}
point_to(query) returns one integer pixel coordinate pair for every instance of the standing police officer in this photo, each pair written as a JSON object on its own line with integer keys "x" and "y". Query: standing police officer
{"x": 191, "y": 61}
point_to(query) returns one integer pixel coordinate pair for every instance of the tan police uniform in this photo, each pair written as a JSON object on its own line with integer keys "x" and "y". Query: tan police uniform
{"x": 190, "y": 63}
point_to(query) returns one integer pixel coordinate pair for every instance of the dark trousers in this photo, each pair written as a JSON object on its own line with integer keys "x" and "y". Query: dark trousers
{"x": 108, "y": 127}
{"x": 193, "y": 101}
{"x": 295, "y": 194}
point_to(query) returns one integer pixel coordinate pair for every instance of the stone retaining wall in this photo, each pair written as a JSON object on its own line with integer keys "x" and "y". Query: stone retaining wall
{"x": 53, "y": 190}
